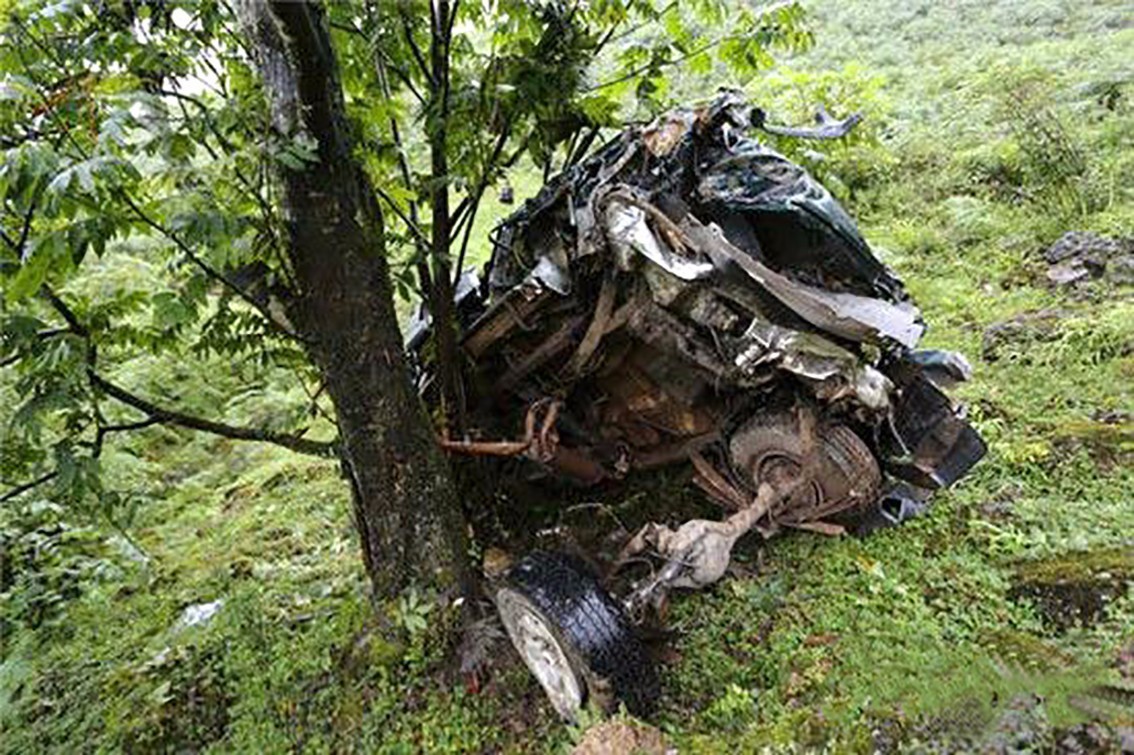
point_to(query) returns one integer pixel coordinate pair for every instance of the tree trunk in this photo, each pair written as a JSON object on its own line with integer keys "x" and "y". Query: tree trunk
{"x": 405, "y": 505}
{"x": 441, "y": 292}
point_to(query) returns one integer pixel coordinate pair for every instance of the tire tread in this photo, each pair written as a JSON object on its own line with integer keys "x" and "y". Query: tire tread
{"x": 567, "y": 592}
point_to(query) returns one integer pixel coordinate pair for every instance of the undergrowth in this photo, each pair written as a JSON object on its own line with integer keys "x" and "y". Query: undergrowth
{"x": 991, "y": 129}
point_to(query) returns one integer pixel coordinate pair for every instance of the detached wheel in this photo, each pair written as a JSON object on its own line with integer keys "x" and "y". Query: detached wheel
{"x": 574, "y": 637}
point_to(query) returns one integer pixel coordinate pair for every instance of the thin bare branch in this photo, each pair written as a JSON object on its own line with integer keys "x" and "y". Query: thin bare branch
{"x": 65, "y": 311}
{"x": 418, "y": 235}
{"x": 169, "y": 417}
{"x": 402, "y": 76}
{"x": 466, "y": 211}
{"x": 21, "y": 489}
{"x": 128, "y": 426}
{"x": 449, "y": 23}
{"x": 407, "y": 31}
{"x": 465, "y": 241}
{"x": 104, "y": 430}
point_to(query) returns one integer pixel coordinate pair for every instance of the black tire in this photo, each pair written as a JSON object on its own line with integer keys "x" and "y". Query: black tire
{"x": 847, "y": 474}
{"x": 591, "y": 628}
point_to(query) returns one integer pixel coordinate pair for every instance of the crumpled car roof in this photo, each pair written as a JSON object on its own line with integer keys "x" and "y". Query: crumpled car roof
{"x": 762, "y": 202}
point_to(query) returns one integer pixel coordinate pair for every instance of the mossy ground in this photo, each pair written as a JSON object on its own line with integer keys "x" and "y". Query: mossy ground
{"x": 903, "y": 637}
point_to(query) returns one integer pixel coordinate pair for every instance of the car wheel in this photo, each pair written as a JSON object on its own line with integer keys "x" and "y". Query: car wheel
{"x": 770, "y": 448}
{"x": 574, "y": 637}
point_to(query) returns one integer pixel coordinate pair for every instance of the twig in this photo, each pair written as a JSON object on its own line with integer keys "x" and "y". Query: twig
{"x": 465, "y": 241}
{"x": 449, "y": 25}
{"x": 21, "y": 489}
{"x": 466, "y": 217}
{"x": 418, "y": 235}
{"x": 402, "y": 76}
{"x": 407, "y": 31}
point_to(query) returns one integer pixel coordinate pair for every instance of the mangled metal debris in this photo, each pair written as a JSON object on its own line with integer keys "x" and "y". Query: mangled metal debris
{"x": 689, "y": 296}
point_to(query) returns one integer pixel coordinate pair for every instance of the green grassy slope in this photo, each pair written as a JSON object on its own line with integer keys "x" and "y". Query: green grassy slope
{"x": 909, "y": 635}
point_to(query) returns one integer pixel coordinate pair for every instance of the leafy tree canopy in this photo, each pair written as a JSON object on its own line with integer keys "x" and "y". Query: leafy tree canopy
{"x": 139, "y": 128}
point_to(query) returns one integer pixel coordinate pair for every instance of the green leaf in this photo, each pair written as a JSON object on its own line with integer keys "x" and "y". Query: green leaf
{"x": 33, "y": 269}
{"x": 701, "y": 63}
{"x": 169, "y": 311}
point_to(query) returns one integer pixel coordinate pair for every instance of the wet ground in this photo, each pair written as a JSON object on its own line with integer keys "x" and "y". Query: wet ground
{"x": 1076, "y": 589}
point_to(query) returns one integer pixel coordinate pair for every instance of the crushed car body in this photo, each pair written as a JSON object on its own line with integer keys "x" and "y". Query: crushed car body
{"x": 688, "y": 295}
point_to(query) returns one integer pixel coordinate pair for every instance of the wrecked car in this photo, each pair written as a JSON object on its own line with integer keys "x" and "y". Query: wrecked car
{"x": 688, "y": 295}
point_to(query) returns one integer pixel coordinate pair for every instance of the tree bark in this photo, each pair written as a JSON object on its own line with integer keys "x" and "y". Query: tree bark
{"x": 405, "y": 505}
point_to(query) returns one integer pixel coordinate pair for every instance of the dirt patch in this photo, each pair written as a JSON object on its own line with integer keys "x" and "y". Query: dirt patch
{"x": 616, "y": 737}
{"x": 1075, "y": 589}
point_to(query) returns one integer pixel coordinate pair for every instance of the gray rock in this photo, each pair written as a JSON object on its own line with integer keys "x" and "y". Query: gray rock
{"x": 1080, "y": 244}
{"x": 1079, "y": 256}
{"x": 1067, "y": 273}
{"x": 1028, "y": 327}
{"x": 1120, "y": 270}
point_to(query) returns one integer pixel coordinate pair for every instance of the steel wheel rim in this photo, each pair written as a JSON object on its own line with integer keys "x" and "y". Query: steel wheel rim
{"x": 542, "y": 653}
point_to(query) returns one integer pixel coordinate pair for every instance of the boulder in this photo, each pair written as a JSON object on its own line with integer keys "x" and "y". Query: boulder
{"x": 1080, "y": 256}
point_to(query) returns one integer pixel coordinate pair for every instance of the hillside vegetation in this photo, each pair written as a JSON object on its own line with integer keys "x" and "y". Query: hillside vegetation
{"x": 991, "y": 129}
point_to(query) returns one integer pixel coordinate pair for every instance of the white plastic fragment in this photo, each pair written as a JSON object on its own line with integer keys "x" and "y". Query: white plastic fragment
{"x": 197, "y": 614}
